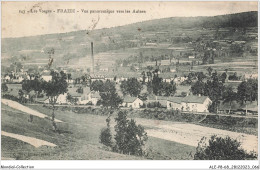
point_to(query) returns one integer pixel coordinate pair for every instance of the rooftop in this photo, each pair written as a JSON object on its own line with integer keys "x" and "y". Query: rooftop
{"x": 194, "y": 99}
{"x": 129, "y": 99}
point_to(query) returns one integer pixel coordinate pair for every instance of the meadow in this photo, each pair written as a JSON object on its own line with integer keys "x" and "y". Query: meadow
{"x": 77, "y": 138}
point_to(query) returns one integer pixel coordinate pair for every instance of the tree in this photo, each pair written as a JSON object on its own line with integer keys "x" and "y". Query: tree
{"x": 108, "y": 94}
{"x": 144, "y": 77}
{"x": 209, "y": 69}
{"x": 223, "y": 77}
{"x": 200, "y": 76}
{"x": 50, "y": 52}
{"x": 106, "y": 135}
{"x": 167, "y": 89}
{"x": 27, "y": 85}
{"x": 32, "y": 85}
{"x": 198, "y": 88}
{"x": 156, "y": 84}
{"x": 80, "y": 90}
{"x": 143, "y": 96}
{"x": 247, "y": 91}
{"x": 229, "y": 96}
{"x": 252, "y": 89}
{"x": 214, "y": 89}
{"x": 130, "y": 138}
{"x": 218, "y": 148}
{"x": 72, "y": 99}
{"x": 57, "y": 86}
{"x": 22, "y": 99}
{"x": 4, "y": 87}
{"x": 242, "y": 92}
{"x": 131, "y": 87}
{"x": 233, "y": 77}
{"x": 96, "y": 85}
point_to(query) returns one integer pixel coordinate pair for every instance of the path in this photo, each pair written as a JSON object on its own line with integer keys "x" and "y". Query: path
{"x": 191, "y": 134}
{"x": 18, "y": 106}
{"x": 32, "y": 141}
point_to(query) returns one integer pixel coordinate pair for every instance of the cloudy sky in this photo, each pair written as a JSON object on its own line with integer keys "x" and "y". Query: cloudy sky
{"x": 16, "y": 24}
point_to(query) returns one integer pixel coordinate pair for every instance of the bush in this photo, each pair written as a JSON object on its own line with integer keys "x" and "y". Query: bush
{"x": 219, "y": 148}
{"x": 11, "y": 97}
{"x": 105, "y": 135}
{"x": 4, "y": 87}
{"x": 154, "y": 105}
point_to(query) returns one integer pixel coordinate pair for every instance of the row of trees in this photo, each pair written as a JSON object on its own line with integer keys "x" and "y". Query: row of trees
{"x": 108, "y": 93}
{"x": 133, "y": 87}
{"x": 215, "y": 89}
{"x": 161, "y": 88}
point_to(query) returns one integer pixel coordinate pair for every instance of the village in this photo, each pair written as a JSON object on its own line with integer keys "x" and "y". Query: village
{"x": 79, "y": 88}
{"x": 162, "y": 89}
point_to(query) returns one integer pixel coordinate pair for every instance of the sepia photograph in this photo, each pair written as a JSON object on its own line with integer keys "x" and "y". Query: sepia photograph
{"x": 129, "y": 80}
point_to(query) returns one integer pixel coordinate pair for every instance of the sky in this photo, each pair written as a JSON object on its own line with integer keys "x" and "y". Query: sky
{"x": 16, "y": 24}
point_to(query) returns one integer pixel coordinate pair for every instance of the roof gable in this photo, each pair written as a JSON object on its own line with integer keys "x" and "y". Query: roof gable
{"x": 129, "y": 99}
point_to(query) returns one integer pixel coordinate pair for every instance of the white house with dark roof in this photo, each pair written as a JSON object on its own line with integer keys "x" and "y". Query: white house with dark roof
{"x": 46, "y": 75}
{"x": 189, "y": 103}
{"x": 132, "y": 102}
{"x": 195, "y": 103}
{"x": 62, "y": 99}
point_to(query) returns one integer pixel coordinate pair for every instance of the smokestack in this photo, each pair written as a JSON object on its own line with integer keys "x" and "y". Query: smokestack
{"x": 92, "y": 57}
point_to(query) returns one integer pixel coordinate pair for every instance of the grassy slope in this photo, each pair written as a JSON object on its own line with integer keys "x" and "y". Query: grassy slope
{"x": 78, "y": 139}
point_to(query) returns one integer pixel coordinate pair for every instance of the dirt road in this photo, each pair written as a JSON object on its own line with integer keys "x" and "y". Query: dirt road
{"x": 32, "y": 141}
{"x": 191, "y": 134}
{"x": 25, "y": 109}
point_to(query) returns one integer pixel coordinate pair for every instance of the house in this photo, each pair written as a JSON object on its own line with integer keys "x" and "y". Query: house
{"x": 62, "y": 99}
{"x": 226, "y": 107}
{"x": 89, "y": 97}
{"x": 165, "y": 62}
{"x": 235, "y": 107}
{"x": 174, "y": 103}
{"x": 166, "y": 78}
{"x": 94, "y": 97}
{"x": 43, "y": 99}
{"x": 7, "y": 78}
{"x": 195, "y": 103}
{"x": 73, "y": 92}
{"x": 250, "y": 76}
{"x": 18, "y": 79}
{"x": 132, "y": 102}
{"x": 150, "y": 63}
{"x": 46, "y": 76}
{"x": 103, "y": 69}
{"x": 70, "y": 81}
{"x": 172, "y": 70}
{"x": 97, "y": 77}
{"x": 85, "y": 96}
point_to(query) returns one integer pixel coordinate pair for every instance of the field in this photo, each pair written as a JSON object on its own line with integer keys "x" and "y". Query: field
{"x": 239, "y": 65}
{"x": 78, "y": 138}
